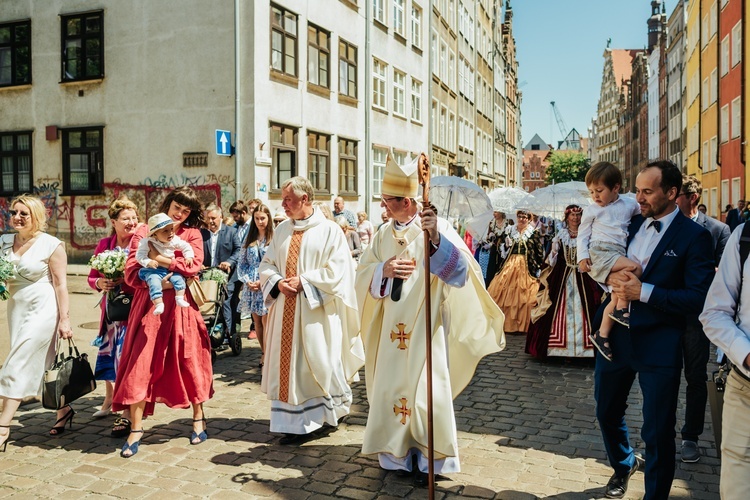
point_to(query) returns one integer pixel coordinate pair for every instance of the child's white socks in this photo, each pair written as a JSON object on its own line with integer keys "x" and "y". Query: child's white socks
{"x": 180, "y": 299}
{"x": 158, "y": 308}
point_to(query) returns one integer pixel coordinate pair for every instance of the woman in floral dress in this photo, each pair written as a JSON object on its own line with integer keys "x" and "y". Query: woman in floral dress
{"x": 251, "y": 300}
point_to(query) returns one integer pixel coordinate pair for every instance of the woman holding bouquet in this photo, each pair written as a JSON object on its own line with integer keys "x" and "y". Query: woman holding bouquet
{"x": 38, "y": 309}
{"x": 251, "y": 300}
{"x": 123, "y": 214}
{"x": 166, "y": 358}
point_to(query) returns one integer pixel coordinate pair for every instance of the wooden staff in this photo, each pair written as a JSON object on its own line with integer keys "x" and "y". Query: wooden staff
{"x": 423, "y": 169}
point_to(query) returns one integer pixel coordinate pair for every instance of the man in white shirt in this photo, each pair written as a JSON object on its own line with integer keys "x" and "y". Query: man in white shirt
{"x": 221, "y": 248}
{"x": 730, "y": 331}
{"x": 676, "y": 257}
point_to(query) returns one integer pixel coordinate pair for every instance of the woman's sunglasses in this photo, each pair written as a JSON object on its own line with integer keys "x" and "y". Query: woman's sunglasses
{"x": 23, "y": 215}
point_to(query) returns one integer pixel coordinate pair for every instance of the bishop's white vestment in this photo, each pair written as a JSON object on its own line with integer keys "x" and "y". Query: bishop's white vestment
{"x": 313, "y": 347}
{"x": 466, "y": 326}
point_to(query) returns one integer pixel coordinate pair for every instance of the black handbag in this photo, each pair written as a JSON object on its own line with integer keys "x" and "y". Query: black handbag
{"x": 118, "y": 307}
{"x": 68, "y": 379}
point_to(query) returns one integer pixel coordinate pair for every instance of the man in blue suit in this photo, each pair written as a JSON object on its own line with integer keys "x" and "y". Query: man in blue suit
{"x": 221, "y": 248}
{"x": 676, "y": 255}
{"x": 734, "y": 216}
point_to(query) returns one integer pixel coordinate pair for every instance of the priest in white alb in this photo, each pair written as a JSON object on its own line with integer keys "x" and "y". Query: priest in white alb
{"x": 313, "y": 349}
{"x": 466, "y": 325}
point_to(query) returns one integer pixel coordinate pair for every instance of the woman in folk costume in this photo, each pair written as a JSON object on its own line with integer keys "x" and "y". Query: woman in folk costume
{"x": 466, "y": 325}
{"x": 313, "y": 348}
{"x": 485, "y": 244}
{"x": 514, "y": 287}
{"x": 561, "y": 322}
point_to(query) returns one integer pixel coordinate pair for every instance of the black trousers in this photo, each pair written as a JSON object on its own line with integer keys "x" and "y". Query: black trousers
{"x": 696, "y": 351}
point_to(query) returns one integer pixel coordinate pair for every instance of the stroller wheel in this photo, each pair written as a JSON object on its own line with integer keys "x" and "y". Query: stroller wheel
{"x": 236, "y": 344}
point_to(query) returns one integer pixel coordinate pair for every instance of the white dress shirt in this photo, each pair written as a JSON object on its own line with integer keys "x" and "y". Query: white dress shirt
{"x": 644, "y": 242}
{"x": 724, "y": 299}
{"x": 212, "y": 241}
{"x": 607, "y": 224}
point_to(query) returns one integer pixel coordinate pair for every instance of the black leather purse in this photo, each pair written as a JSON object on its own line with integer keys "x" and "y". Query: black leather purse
{"x": 118, "y": 307}
{"x": 68, "y": 379}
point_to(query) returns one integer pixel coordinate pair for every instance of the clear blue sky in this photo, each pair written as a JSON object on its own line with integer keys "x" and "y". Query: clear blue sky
{"x": 559, "y": 45}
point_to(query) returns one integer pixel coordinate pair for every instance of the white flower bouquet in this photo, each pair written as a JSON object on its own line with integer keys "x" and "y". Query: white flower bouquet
{"x": 7, "y": 271}
{"x": 214, "y": 274}
{"x": 111, "y": 263}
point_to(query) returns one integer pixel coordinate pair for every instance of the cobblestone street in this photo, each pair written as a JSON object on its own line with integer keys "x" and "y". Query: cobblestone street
{"x": 526, "y": 430}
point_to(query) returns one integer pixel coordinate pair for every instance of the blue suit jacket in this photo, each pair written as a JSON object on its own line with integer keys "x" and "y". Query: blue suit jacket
{"x": 681, "y": 269}
{"x": 227, "y": 248}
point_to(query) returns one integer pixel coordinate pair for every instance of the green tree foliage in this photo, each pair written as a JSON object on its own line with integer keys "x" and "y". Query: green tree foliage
{"x": 567, "y": 166}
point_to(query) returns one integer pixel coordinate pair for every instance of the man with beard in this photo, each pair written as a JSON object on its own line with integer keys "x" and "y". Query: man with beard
{"x": 676, "y": 256}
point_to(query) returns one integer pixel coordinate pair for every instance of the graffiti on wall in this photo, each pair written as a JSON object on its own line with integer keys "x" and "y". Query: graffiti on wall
{"x": 83, "y": 220}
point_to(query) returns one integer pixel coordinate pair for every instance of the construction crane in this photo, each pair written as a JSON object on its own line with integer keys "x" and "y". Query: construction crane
{"x": 560, "y": 122}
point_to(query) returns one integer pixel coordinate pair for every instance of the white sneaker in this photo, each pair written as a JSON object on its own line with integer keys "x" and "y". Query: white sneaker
{"x": 182, "y": 302}
{"x": 158, "y": 309}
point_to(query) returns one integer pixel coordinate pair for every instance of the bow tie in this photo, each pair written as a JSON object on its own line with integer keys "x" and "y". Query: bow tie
{"x": 656, "y": 225}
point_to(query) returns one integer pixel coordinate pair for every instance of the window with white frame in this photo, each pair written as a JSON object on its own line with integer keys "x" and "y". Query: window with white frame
{"x": 443, "y": 61}
{"x": 461, "y": 74}
{"x": 416, "y": 26}
{"x": 378, "y": 83}
{"x": 705, "y": 94}
{"x": 735, "y": 189}
{"x": 724, "y": 123}
{"x": 713, "y": 19}
{"x": 434, "y": 52}
{"x": 724, "y": 63}
{"x": 434, "y": 119}
{"x": 452, "y": 70}
{"x": 705, "y": 156}
{"x": 713, "y": 148}
{"x": 416, "y": 100}
{"x": 704, "y": 31}
{"x": 450, "y": 145}
{"x": 443, "y": 125}
{"x": 398, "y": 17}
{"x": 378, "y": 10}
{"x": 379, "y": 156}
{"x": 736, "y": 117}
{"x": 714, "y": 85}
{"x": 737, "y": 43}
{"x": 399, "y": 92}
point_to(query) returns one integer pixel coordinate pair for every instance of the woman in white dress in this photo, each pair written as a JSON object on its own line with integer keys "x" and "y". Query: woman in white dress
{"x": 38, "y": 309}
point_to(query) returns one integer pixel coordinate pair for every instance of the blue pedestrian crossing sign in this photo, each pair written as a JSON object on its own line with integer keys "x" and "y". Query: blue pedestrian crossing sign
{"x": 223, "y": 143}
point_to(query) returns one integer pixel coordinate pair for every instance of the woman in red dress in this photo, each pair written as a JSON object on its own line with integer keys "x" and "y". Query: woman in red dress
{"x": 166, "y": 358}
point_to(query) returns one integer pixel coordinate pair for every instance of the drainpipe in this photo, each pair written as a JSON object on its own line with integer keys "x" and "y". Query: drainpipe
{"x": 237, "y": 104}
{"x": 718, "y": 89}
{"x": 368, "y": 108}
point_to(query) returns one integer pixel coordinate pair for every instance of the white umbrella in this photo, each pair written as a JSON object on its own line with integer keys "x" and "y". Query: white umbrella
{"x": 458, "y": 198}
{"x": 550, "y": 201}
{"x": 504, "y": 199}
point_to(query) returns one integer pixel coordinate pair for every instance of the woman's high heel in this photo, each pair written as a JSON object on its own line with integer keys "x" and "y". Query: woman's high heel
{"x": 202, "y": 436}
{"x": 132, "y": 448}
{"x": 65, "y": 419}
{"x": 7, "y": 436}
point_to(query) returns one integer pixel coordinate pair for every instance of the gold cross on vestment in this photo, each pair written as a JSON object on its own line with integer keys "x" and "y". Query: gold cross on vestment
{"x": 401, "y": 336}
{"x": 402, "y": 410}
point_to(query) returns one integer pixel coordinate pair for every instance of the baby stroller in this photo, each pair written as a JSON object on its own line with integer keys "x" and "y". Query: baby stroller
{"x": 215, "y": 295}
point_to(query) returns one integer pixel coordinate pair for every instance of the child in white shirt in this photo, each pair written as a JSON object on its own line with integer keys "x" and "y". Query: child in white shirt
{"x": 602, "y": 241}
{"x": 161, "y": 236}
